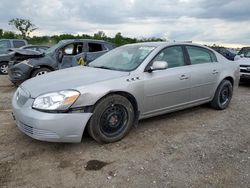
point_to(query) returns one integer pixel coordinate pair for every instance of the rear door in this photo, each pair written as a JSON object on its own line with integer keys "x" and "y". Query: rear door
{"x": 167, "y": 89}
{"x": 204, "y": 72}
{"x": 95, "y": 50}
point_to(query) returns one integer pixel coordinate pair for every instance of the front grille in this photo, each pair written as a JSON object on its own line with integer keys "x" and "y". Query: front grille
{"x": 244, "y": 65}
{"x": 245, "y": 71}
{"x": 36, "y": 132}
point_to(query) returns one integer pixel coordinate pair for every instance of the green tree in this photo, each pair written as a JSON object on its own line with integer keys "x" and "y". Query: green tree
{"x": 24, "y": 26}
{"x": 9, "y": 35}
{"x": 100, "y": 35}
{"x": 1, "y": 33}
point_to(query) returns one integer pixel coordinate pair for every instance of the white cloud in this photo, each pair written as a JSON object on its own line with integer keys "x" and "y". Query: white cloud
{"x": 214, "y": 21}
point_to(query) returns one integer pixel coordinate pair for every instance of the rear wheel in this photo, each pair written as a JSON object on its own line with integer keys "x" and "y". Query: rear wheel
{"x": 40, "y": 71}
{"x": 223, "y": 95}
{"x": 4, "y": 68}
{"x": 112, "y": 119}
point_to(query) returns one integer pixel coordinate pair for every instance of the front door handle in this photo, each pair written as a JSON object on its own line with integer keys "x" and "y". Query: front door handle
{"x": 183, "y": 77}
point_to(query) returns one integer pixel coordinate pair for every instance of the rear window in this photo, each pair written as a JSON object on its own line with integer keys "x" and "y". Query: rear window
{"x": 18, "y": 44}
{"x": 95, "y": 47}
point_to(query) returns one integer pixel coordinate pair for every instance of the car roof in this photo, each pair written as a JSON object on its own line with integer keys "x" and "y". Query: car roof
{"x": 162, "y": 44}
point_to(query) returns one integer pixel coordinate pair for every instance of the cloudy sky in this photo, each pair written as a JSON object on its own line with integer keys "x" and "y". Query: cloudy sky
{"x": 203, "y": 21}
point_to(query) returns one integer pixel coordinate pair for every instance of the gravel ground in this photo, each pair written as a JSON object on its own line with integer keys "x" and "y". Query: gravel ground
{"x": 197, "y": 147}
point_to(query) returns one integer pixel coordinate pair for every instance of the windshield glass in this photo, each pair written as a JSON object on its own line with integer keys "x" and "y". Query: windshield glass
{"x": 126, "y": 58}
{"x": 53, "y": 48}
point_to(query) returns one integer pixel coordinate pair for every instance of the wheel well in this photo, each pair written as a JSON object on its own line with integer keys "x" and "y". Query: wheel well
{"x": 41, "y": 66}
{"x": 127, "y": 95}
{"x": 230, "y": 79}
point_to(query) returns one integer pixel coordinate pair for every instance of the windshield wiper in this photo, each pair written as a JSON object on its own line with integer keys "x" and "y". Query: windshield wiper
{"x": 102, "y": 67}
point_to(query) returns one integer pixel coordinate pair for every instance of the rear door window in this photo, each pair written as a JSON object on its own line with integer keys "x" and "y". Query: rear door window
{"x": 199, "y": 55}
{"x": 18, "y": 44}
{"x": 95, "y": 47}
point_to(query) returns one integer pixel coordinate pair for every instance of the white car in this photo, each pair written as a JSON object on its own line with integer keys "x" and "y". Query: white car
{"x": 243, "y": 58}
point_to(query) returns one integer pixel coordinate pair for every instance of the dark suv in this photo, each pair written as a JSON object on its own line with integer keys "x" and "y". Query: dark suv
{"x": 65, "y": 54}
{"x": 225, "y": 52}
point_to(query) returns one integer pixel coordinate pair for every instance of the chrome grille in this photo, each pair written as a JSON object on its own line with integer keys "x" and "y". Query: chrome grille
{"x": 36, "y": 132}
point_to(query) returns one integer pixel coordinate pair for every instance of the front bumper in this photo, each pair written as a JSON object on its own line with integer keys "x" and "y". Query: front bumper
{"x": 51, "y": 127}
{"x": 18, "y": 73}
{"x": 244, "y": 75}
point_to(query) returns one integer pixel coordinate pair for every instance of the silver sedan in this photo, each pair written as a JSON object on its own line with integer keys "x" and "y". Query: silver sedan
{"x": 115, "y": 91}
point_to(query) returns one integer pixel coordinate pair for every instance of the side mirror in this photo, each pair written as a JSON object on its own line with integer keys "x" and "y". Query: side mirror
{"x": 158, "y": 65}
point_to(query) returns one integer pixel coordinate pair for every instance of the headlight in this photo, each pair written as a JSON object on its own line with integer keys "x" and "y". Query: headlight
{"x": 61, "y": 100}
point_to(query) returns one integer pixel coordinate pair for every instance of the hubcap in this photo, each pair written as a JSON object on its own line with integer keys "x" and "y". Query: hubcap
{"x": 4, "y": 69}
{"x": 224, "y": 95}
{"x": 41, "y": 73}
{"x": 113, "y": 120}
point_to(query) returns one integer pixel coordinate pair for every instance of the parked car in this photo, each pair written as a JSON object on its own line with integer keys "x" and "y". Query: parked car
{"x": 227, "y": 53}
{"x": 17, "y": 55}
{"x": 6, "y": 44}
{"x": 65, "y": 54}
{"x": 243, "y": 58}
{"x": 113, "y": 92}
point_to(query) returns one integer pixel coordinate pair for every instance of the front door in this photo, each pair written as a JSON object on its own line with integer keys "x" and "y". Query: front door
{"x": 167, "y": 89}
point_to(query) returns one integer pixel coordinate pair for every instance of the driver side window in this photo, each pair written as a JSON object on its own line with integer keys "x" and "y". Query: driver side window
{"x": 172, "y": 55}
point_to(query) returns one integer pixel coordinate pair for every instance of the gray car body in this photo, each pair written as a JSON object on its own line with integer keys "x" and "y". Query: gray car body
{"x": 151, "y": 94}
{"x": 11, "y": 43}
{"x": 51, "y": 61}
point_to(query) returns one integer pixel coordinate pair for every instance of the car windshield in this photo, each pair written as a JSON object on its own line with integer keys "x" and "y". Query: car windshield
{"x": 126, "y": 58}
{"x": 53, "y": 48}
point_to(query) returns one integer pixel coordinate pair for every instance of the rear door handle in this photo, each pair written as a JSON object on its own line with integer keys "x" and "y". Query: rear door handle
{"x": 183, "y": 77}
{"x": 215, "y": 71}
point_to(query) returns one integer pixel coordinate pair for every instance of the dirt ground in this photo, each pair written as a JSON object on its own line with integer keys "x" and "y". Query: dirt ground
{"x": 198, "y": 147}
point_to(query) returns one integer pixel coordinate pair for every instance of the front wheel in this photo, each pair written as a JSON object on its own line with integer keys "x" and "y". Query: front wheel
{"x": 4, "y": 68}
{"x": 223, "y": 95}
{"x": 112, "y": 119}
{"x": 40, "y": 71}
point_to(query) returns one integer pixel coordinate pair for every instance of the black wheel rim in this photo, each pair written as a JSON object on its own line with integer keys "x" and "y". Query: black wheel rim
{"x": 113, "y": 120}
{"x": 224, "y": 95}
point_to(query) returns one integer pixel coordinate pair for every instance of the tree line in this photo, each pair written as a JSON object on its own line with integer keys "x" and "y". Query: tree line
{"x": 25, "y": 28}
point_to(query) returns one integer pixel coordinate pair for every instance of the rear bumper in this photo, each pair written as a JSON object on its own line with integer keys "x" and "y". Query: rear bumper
{"x": 51, "y": 127}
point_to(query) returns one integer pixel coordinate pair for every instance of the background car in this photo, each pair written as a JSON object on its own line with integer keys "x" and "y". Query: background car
{"x": 17, "y": 55}
{"x": 243, "y": 58}
{"x": 65, "y": 54}
{"x": 227, "y": 53}
{"x": 6, "y": 44}
{"x": 109, "y": 95}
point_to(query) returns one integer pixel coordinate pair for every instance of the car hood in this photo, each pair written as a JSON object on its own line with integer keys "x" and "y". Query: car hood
{"x": 244, "y": 61}
{"x": 70, "y": 78}
{"x": 26, "y": 52}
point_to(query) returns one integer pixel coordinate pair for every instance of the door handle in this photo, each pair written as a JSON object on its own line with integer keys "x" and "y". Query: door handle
{"x": 183, "y": 77}
{"x": 215, "y": 71}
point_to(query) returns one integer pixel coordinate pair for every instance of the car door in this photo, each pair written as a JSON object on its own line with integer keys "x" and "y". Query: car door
{"x": 204, "y": 71}
{"x": 94, "y": 50}
{"x": 71, "y": 54}
{"x": 167, "y": 89}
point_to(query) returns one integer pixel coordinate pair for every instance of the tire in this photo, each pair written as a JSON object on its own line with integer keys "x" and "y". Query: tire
{"x": 4, "y": 68}
{"x": 40, "y": 71}
{"x": 112, "y": 119}
{"x": 223, "y": 95}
